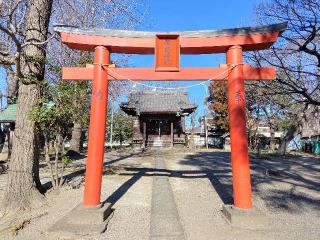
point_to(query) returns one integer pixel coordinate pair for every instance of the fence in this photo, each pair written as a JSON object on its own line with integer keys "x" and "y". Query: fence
{"x": 311, "y": 146}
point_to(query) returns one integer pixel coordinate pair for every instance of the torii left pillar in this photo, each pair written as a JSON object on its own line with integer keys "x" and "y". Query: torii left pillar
{"x": 91, "y": 216}
{"x": 98, "y": 112}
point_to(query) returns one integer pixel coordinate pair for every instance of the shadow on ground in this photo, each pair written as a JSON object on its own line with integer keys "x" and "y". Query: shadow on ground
{"x": 289, "y": 184}
{"x": 78, "y": 165}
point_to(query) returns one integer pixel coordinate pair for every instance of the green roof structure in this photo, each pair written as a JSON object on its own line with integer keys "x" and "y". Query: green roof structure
{"x": 9, "y": 114}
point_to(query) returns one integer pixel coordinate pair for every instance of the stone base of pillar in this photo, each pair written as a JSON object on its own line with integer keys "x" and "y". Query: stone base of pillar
{"x": 84, "y": 220}
{"x": 137, "y": 144}
{"x": 247, "y": 219}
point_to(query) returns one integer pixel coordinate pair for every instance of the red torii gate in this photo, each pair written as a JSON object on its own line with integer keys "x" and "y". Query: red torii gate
{"x": 167, "y": 47}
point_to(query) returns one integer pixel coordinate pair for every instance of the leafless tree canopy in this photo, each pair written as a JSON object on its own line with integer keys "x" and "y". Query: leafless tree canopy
{"x": 121, "y": 14}
{"x": 12, "y": 28}
{"x": 297, "y": 54}
{"x": 115, "y": 14}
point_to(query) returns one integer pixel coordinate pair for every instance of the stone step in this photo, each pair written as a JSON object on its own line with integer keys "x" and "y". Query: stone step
{"x": 159, "y": 143}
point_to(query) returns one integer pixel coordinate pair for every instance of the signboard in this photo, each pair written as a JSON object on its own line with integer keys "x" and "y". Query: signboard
{"x": 167, "y": 53}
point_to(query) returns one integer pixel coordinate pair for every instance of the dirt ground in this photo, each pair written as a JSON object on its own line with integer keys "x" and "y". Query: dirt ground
{"x": 286, "y": 190}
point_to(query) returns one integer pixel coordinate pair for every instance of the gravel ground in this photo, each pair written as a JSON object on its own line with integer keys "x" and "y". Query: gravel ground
{"x": 285, "y": 189}
{"x": 291, "y": 199}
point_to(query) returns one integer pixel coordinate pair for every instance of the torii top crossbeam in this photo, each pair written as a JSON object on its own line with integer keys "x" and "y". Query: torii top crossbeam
{"x": 191, "y": 42}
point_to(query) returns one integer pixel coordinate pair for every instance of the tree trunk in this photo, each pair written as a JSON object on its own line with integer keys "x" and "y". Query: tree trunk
{"x": 76, "y": 138}
{"x": 192, "y": 130}
{"x": 111, "y": 125}
{"x": 23, "y": 175}
{"x": 271, "y": 140}
{"x": 36, "y": 174}
{"x": 287, "y": 138}
{"x": 56, "y": 160}
{"x": 259, "y": 147}
{"x": 47, "y": 159}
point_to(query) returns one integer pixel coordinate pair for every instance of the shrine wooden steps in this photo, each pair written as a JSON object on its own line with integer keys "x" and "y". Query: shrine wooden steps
{"x": 159, "y": 144}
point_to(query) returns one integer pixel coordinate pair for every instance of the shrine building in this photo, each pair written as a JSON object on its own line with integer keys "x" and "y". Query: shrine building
{"x": 158, "y": 118}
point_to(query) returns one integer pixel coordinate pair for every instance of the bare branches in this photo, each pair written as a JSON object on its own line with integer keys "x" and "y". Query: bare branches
{"x": 11, "y": 34}
{"x": 297, "y": 54}
{"x": 13, "y": 17}
{"x": 123, "y": 14}
{"x": 39, "y": 43}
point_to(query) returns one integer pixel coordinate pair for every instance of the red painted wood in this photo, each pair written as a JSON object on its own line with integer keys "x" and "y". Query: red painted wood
{"x": 77, "y": 73}
{"x": 185, "y": 74}
{"x": 167, "y": 53}
{"x": 189, "y": 45}
{"x": 97, "y": 128}
{"x": 238, "y": 131}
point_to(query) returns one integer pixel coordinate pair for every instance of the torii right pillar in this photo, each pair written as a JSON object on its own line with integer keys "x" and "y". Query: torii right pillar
{"x": 239, "y": 142}
{"x": 241, "y": 214}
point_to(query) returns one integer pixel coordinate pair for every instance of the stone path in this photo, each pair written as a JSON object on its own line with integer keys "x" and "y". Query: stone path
{"x": 165, "y": 222}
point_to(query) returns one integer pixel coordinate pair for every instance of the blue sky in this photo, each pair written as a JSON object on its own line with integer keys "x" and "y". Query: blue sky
{"x": 182, "y": 15}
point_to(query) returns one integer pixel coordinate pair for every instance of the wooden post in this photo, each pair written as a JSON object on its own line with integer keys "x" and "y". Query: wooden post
{"x": 172, "y": 134}
{"x": 136, "y": 128}
{"x": 144, "y": 134}
{"x": 206, "y": 130}
{"x": 111, "y": 126}
{"x": 239, "y": 142}
{"x": 183, "y": 124}
{"x": 192, "y": 130}
{"x": 97, "y": 128}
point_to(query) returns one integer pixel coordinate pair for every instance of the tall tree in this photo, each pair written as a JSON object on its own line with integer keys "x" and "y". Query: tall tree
{"x": 280, "y": 112}
{"x": 116, "y": 14}
{"x": 122, "y": 127}
{"x": 297, "y": 54}
{"x": 54, "y": 116}
{"x": 296, "y": 57}
{"x": 218, "y": 103}
{"x": 25, "y": 25}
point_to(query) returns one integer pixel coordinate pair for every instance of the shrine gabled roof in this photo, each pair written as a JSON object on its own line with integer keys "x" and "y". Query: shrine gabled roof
{"x": 155, "y": 102}
{"x": 192, "y": 42}
{"x": 9, "y": 114}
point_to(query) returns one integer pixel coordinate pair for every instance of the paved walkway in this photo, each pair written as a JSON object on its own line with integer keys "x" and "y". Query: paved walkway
{"x": 165, "y": 222}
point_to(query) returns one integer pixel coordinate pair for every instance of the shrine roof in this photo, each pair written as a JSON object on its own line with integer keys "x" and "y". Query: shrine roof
{"x": 191, "y": 42}
{"x": 8, "y": 114}
{"x": 155, "y": 102}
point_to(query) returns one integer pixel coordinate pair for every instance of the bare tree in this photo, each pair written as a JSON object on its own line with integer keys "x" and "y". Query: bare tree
{"x": 24, "y": 24}
{"x": 297, "y": 53}
{"x": 297, "y": 58}
{"x": 124, "y": 14}
{"x": 280, "y": 112}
